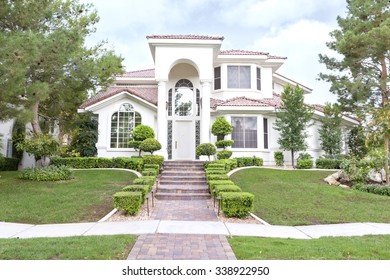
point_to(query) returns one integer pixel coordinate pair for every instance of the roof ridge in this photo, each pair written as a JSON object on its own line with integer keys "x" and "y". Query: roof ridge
{"x": 185, "y": 37}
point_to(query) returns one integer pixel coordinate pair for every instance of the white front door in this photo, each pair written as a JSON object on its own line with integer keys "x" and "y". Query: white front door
{"x": 184, "y": 140}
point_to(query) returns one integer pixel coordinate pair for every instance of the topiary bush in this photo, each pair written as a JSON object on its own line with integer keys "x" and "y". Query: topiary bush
{"x": 150, "y": 145}
{"x": 237, "y": 204}
{"x": 144, "y": 189}
{"x": 128, "y": 201}
{"x": 249, "y": 161}
{"x": 139, "y": 134}
{"x": 279, "y": 158}
{"x": 304, "y": 164}
{"x": 48, "y": 173}
{"x": 226, "y": 188}
{"x": 224, "y": 154}
{"x": 328, "y": 163}
{"x": 221, "y": 127}
{"x": 205, "y": 149}
{"x": 224, "y": 143}
{"x": 8, "y": 164}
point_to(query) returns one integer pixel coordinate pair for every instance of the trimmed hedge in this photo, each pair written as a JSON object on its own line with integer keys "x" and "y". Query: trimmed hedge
{"x": 99, "y": 162}
{"x": 304, "y": 163}
{"x": 152, "y": 166}
{"x": 328, "y": 163}
{"x": 49, "y": 173}
{"x": 215, "y": 165}
{"x": 215, "y": 171}
{"x": 226, "y": 188}
{"x": 249, "y": 161}
{"x": 153, "y": 159}
{"x": 8, "y": 164}
{"x": 149, "y": 172}
{"x": 237, "y": 204}
{"x": 215, "y": 177}
{"x": 128, "y": 201}
{"x": 145, "y": 180}
{"x": 144, "y": 189}
{"x": 225, "y": 154}
{"x": 375, "y": 189}
{"x": 214, "y": 183}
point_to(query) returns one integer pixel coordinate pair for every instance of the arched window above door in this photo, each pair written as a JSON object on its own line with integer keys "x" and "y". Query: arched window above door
{"x": 184, "y": 98}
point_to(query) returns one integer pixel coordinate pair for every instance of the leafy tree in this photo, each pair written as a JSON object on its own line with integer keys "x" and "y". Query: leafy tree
{"x": 140, "y": 133}
{"x": 292, "y": 120}
{"x": 360, "y": 78}
{"x": 85, "y": 136}
{"x": 356, "y": 142}
{"x": 41, "y": 146}
{"x": 206, "y": 149}
{"x": 330, "y": 132}
{"x": 150, "y": 145}
{"x": 45, "y": 69}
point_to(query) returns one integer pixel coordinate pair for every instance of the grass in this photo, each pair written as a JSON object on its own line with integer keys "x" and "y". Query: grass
{"x": 298, "y": 197}
{"x": 87, "y": 197}
{"x": 116, "y": 247}
{"x": 325, "y": 248}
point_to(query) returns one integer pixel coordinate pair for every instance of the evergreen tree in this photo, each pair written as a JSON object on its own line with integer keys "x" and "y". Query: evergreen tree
{"x": 330, "y": 132}
{"x": 45, "y": 69}
{"x": 292, "y": 120}
{"x": 360, "y": 78}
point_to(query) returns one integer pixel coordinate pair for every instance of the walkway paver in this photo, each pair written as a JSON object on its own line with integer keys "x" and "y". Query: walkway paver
{"x": 192, "y": 227}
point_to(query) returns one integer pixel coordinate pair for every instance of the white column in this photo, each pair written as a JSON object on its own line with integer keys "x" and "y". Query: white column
{"x": 162, "y": 119}
{"x": 205, "y": 121}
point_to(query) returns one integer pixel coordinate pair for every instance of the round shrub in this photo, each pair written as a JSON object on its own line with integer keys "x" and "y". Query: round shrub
{"x": 224, "y": 143}
{"x": 304, "y": 163}
{"x": 205, "y": 149}
{"x": 150, "y": 145}
{"x": 224, "y": 154}
{"x": 221, "y": 127}
{"x": 279, "y": 158}
{"x": 49, "y": 173}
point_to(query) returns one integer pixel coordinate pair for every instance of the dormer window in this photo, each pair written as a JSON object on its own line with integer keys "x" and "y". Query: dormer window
{"x": 239, "y": 76}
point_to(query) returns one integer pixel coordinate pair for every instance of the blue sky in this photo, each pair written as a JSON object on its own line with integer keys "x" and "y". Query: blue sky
{"x": 297, "y": 29}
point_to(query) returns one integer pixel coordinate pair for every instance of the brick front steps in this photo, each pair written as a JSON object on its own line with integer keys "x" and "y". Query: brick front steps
{"x": 183, "y": 180}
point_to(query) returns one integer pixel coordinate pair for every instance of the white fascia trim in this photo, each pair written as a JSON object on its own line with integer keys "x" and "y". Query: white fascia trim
{"x": 245, "y": 108}
{"x": 292, "y": 82}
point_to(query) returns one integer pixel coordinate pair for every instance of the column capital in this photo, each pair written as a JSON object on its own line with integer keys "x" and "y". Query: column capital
{"x": 206, "y": 82}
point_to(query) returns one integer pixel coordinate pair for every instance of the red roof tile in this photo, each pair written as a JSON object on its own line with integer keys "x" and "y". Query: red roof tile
{"x": 146, "y": 73}
{"x": 147, "y": 93}
{"x": 185, "y": 37}
{"x": 243, "y": 52}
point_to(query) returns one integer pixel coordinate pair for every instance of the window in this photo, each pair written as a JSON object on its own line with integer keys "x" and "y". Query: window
{"x": 9, "y": 148}
{"x": 265, "y": 132}
{"x": 122, "y": 124}
{"x": 217, "y": 78}
{"x": 239, "y": 77}
{"x": 258, "y": 78}
{"x": 184, "y": 96}
{"x": 244, "y": 132}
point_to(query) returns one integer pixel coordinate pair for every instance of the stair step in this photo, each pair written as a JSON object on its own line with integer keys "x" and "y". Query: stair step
{"x": 183, "y": 178}
{"x": 181, "y": 196}
{"x": 182, "y": 189}
{"x": 181, "y": 182}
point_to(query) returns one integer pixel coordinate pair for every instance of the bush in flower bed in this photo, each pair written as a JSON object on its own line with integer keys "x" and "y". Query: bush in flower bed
{"x": 128, "y": 201}
{"x": 214, "y": 183}
{"x": 237, "y": 204}
{"x": 49, "y": 173}
{"x": 145, "y": 180}
{"x": 215, "y": 177}
{"x": 144, "y": 189}
{"x": 226, "y": 188}
{"x": 304, "y": 163}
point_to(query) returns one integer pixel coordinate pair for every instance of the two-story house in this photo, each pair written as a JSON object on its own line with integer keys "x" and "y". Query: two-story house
{"x": 192, "y": 84}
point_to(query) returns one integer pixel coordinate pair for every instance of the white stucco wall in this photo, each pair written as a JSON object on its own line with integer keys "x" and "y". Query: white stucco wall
{"x": 6, "y": 131}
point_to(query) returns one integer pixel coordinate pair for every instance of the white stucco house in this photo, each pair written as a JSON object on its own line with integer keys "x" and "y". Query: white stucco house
{"x": 192, "y": 84}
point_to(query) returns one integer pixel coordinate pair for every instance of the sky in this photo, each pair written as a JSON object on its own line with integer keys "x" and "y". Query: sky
{"x": 297, "y": 29}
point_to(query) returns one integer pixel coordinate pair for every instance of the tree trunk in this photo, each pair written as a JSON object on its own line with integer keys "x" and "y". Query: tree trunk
{"x": 385, "y": 100}
{"x": 292, "y": 158}
{"x": 35, "y": 121}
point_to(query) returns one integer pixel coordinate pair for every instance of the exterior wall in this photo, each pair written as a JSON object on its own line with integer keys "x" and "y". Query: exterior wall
{"x": 6, "y": 131}
{"x": 103, "y": 146}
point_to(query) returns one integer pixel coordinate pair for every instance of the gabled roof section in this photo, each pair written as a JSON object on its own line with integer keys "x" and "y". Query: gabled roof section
{"x": 185, "y": 37}
{"x": 250, "y": 53}
{"x": 243, "y": 101}
{"x": 146, "y": 73}
{"x": 147, "y": 93}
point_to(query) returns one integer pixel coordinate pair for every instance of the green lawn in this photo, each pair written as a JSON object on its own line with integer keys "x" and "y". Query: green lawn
{"x": 87, "y": 197}
{"x": 116, "y": 247}
{"x": 297, "y": 197}
{"x": 325, "y": 248}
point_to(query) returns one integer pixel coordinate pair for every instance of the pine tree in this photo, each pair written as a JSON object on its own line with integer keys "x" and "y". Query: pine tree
{"x": 360, "y": 78}
{"x": 330, "y": 132}
{"x": 292, "y": 120}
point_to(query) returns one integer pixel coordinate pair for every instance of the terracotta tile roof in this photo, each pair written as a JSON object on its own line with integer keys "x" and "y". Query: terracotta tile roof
{"x": 188, "y": 37}
{"x": 145, "y": 73}
{"x": 246, "y": 102}
{"x": 244, "y": 52}
{"x": 147, "y": 93}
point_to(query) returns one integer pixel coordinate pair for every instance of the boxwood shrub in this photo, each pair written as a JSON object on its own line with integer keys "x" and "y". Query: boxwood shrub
{"x": 328, "y": 163}
{"x": 214, "y": 177}
{"x": 214, "y": 183}
{"x": 49, "y": 173}
{"x": 229, "y": 164}
{"x": 128, "y": 163}
{"x": 215, "y": 165}
{"x": 145, "y": 180}
{"x": 152, "y": 166}
{"x": 215, "y": 171}
{"x": 226, "y": 188}
{"x": 144, "y": 189}
{"x": 8, "y": 164}
{"x": 128, "y": 201}
{"x": 149, "y": 172}
{"x": 153, "y": 159}
{"x": 225, "y": 154}
{"x": 237, "y": 204}
{"x": 249, "y": 161}
{"x": 304, "y": 163}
